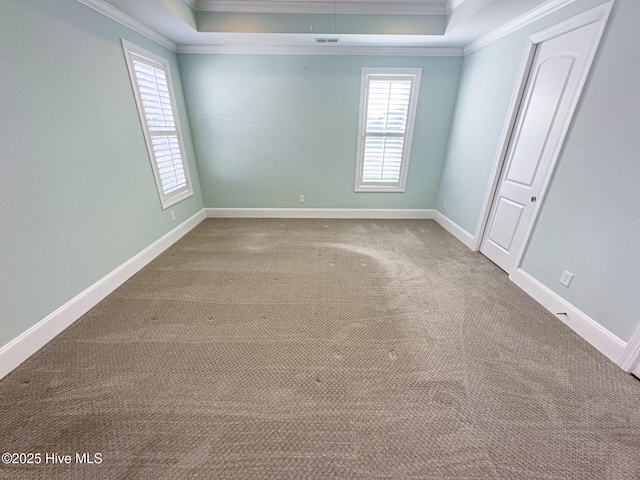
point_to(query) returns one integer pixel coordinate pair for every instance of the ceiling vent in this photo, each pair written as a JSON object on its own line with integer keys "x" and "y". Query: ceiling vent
{"x": 327, "y": 40}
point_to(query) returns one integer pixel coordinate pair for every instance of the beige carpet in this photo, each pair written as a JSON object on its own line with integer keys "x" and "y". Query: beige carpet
{"x": 309, "y": 349}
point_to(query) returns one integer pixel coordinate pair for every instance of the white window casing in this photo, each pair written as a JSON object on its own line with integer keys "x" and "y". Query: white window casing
{"x": 153, "y": 90}
{"x": 388, "y": 99}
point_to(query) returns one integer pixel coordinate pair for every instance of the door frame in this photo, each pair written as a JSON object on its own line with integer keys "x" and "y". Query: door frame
{"x": 630, "y": 358}
{"x": 600, "y": 15}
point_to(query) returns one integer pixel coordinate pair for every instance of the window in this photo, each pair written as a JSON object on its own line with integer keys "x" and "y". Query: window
{"x": 388, "y": 98}
{"x": 151, "y": 80}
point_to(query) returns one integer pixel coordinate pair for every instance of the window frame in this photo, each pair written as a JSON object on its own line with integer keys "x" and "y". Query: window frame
{"x": 400, "y": 186}
{"x": 159, "y": 62}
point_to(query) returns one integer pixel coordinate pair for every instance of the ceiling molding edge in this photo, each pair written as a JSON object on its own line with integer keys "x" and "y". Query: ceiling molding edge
{"x": 453, "y": 4}
{"x": 321, "y": 50}
{"x": 516, "y": 24}
{"x": 192, "y": 3}
{"x": 400, "y": 7}
{"x": 119, "y": 16}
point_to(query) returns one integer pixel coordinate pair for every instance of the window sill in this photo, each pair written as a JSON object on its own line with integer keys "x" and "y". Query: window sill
{"x": 378, "y": 189}
{"x": 178, "y": 198}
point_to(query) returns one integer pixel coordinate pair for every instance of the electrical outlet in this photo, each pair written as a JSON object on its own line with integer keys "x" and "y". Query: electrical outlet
{"x": 566, "y": 278}
{"x": 301, "y": 198}
{"x": 173, "y": 216}
{"x": 444, "y": 205}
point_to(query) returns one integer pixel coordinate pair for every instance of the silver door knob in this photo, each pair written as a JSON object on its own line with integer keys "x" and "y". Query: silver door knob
{"x": 533, "y": 199}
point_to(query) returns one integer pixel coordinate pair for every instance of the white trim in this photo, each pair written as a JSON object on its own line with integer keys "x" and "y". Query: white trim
{"x": 516, "y": 24}
{"x": 599, "y": 15}
{"x": 119, "y": 16}
{"x": 192, "y": 3}
{"x": 453, "y": 4}
{"x": 321, "y": 50}
{"x": 599, "y": 337}
{"x": 454, "y": 229}
{"x": 353, "y": 213}
{"x": 398, "y": 7}
{"x": 630, "y": 358}
{"x": 29, "y": 342}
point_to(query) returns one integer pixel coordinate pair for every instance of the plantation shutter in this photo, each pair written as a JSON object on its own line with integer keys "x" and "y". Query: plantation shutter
{"x": 158, "y": 112}
{"x": 156, "y": 105}
{"x": 386, "y": 129}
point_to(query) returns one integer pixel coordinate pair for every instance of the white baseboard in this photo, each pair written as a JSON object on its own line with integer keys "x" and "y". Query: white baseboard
{"x": 630, "y": 358}
{"x": 373, "y": 213}
{"x": 602, "y": 339}
{"x": 29, "y": 342}
{"x": 454, "y": 229}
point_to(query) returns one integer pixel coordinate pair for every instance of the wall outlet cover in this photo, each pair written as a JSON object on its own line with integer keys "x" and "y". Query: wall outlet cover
{"x": 566, "y": 278}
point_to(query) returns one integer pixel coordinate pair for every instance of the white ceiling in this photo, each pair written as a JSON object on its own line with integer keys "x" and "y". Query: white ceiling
{"x": 466, "y": 21}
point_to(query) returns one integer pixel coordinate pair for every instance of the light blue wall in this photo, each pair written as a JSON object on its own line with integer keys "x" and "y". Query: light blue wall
{"x": 76, "y": 187}
{"x": 268, "y": 128}
{"x": 488, "y": 77}
{"x": 589, "y": 222}
{"x": 486, "y": 87}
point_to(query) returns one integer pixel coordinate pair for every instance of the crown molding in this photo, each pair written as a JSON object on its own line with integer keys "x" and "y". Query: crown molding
{"x": 453, "y": 4}
{"x": 400, "y": 7}
{"x": 516, "y": 24}
{"x": 113, "y": 13}
{"x": 192, "y": 3}
{"x": 321, "y": 50}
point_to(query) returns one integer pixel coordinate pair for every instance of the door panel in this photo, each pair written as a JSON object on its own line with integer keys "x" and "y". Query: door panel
{"x": 509, "y": 213}
{"x": 554, "y": 80}
{"x": 550, "y": 81}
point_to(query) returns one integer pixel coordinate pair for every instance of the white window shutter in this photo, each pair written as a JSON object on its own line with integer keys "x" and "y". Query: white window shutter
{"x": 387, "y": 112}
{"x": 151, "y": 79}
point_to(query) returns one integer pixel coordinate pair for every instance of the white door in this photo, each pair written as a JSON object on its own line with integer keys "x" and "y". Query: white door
{"x": 555, "y": 78}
